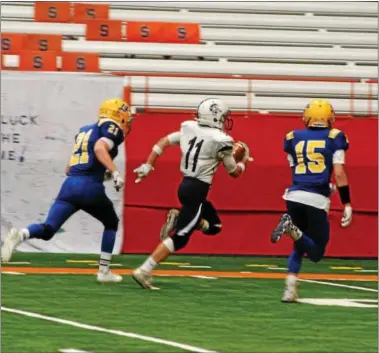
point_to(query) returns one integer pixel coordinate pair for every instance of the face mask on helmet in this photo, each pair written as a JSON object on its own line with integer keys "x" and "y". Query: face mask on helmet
{"x": 126, "y": 119}
{"x": 227, "y": 121}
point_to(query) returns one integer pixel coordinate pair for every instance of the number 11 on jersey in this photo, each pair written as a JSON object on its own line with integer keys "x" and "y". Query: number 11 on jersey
{"x": 192, "y": 143}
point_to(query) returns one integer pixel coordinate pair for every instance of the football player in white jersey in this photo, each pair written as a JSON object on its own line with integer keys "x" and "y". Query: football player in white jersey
{"x": 204, "y": 145}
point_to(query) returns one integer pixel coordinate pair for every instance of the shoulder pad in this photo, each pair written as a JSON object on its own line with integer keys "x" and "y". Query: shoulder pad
{"x": 223, "y": 137}
{"x": 333, "y": 133}
{"x": 103, "y": 121}
{"x": 188, "y": 122}
{"x": 290, "y": 135}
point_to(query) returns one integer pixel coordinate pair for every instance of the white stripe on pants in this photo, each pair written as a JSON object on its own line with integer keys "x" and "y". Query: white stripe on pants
{"x": 191, "y": 224}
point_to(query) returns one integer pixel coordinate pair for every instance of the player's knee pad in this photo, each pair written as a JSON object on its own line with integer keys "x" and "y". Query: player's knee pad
{"x": 213, "y": 229}
{"x": 48, "y": 232}
{"x": 180, "y": 241}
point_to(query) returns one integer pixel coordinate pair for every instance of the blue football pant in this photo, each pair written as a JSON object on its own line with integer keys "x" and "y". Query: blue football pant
{"x": 79, "y": 194}
{"x": 314, "y": 224}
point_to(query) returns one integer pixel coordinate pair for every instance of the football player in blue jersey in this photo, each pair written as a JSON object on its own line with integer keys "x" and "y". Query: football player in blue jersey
{"x": 314, "y": 153}
{"x": 96, "y": 145}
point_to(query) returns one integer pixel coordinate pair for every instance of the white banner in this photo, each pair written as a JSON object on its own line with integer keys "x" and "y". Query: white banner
{"x": 40, "y": 115}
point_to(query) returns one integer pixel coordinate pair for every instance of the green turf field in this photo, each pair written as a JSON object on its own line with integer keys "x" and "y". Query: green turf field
{"x": 208, "y": 314}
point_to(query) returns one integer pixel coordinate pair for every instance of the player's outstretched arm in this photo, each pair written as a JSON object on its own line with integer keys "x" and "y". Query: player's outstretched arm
{"x": 342, "y": 183}
{"x": 102, "y": 154}
{"x": 144, "y": 169}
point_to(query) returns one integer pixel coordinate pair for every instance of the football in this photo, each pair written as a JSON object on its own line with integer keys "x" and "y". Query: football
{"x": 238, "y": 151}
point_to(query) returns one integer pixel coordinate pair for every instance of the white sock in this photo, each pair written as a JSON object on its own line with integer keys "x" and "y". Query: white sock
{"x": 291, "y": 280}
{"x": 105, "y": 260}
{"x": 25, "y": 234}
{"x": 148, "y": 265}
{"x": 169, "y": 244}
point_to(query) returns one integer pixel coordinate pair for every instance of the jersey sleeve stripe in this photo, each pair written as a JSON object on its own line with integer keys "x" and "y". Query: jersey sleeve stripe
{"x": 333, "y": 133}
{"x": 290, "y": 136}
{"x": 225, "y": 148}
{"x": 108, "y": 141}
{"x": 102, "y": 121}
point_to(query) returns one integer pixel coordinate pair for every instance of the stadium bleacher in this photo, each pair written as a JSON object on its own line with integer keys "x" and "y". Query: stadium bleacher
{"x": 332, "y": 48}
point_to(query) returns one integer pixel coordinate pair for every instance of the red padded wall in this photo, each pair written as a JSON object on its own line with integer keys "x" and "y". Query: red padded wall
{"x": 251, "y": 205}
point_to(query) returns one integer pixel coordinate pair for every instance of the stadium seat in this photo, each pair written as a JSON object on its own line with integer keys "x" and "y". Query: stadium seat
{"x": 298, "y": 7}
{"x": 259, "y": 87}
{"x": 245, "y": 53}
{"x": 233, "y": 35}
{"x": 283, "y": 41}
{"x": 188, "y": 101}
{"x": 228, "y": 19}
{"x": 227, "y": 68}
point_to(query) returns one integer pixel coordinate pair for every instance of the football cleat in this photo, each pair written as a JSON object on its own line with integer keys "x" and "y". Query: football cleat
{"x": 285, "y": 226}
{"x": 143, "y": 279}
{"x": 108, "y": 277}
{"x": 290, "y": 294}
{"x": 170, "y": 224}
{"x": 11, "y": 241}
{"x": 281, "y": 228}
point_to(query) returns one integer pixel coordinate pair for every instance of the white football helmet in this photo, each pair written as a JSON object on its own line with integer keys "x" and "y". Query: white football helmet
{"x": 213, "y": 112}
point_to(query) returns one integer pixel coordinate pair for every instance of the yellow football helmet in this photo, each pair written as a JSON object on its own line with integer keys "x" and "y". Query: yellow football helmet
{"x": 117, "y": 110}
{"x": 318, "y": 113}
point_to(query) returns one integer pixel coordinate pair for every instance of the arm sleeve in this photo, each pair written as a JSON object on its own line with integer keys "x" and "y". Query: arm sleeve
{"x": 112, "y": 132}
{"x": 339, "y": 157}
{"x": 108, "y": 141}
{"x": 229, "y": 163}
{"x": 174, "y": 138}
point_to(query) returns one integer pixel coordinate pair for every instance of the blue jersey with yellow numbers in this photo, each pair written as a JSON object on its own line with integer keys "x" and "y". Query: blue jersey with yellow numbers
{"x": 312, "y": 151}
{"x": 83, "y": 161}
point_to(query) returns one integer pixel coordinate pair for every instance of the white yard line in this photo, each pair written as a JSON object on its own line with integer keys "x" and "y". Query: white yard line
{"x": 113, "y": 332}
{"x": 340, "y": 285}
{"x": 72, "y": 350}
{"x": 12, "y": 273}
{"x": 278, "y": 268}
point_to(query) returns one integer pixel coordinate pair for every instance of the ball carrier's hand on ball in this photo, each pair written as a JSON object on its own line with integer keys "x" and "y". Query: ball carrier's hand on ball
{"x": 241, "y": 152}
{"x": 237, "y": 161}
